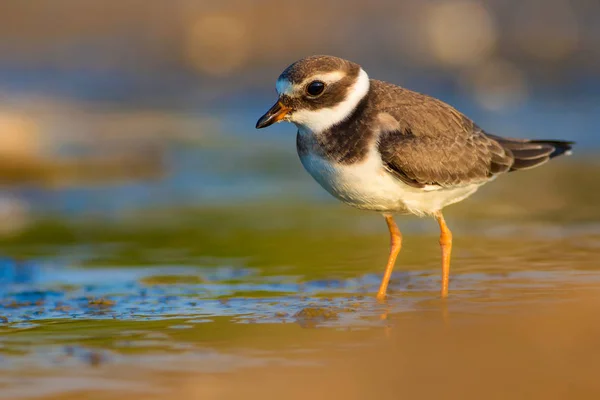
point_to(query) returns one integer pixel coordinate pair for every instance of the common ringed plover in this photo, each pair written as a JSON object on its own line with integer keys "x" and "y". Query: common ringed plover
{"x": 380, "y": 147}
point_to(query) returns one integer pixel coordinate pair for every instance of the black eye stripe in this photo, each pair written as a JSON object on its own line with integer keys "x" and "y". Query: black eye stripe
{"x": 315, "y": 88}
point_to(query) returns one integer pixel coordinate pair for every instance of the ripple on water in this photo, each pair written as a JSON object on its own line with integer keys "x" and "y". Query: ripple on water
{"x": 69, "y": 323}
{"x": 199, "y": 294}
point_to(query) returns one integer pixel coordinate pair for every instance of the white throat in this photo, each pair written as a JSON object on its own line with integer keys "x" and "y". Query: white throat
{"x": 316, "y": 121}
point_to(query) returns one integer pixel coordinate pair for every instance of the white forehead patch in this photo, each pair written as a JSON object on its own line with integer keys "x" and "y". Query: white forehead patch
{"x": 283, "y": 86}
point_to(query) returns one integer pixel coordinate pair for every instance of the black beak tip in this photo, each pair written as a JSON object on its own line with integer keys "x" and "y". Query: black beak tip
{"x": 272, "y": 116}
{"x": 261, "y": 123}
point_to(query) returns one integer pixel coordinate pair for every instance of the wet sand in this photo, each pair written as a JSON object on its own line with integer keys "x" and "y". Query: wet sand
{"x": 541, "y": 351}
{"x": 517, "y": 339}
{"x": 546, "y": 349}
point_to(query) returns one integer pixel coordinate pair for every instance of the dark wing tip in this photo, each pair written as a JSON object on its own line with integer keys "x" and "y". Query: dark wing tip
{"x": 532, "y": 153}
{"x": 559, "y": 147}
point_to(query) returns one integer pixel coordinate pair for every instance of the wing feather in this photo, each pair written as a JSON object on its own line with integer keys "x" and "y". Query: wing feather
{"x": 434, "y": 144}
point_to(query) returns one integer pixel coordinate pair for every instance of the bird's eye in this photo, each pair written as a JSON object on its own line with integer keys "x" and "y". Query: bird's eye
{"x": 315, "y": 88}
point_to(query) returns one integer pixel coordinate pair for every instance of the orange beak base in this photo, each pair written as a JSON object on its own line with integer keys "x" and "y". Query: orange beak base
{"x": 275, "y": 114}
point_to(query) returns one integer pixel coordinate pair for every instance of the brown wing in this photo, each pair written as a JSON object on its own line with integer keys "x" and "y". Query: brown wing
{"x": 433, "y": 144}
{"x": 444, "y": 161}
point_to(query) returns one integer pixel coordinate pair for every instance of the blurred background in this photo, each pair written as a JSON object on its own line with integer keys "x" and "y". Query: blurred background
{"x": 111, "y": 107}
{"x": 145, "y": 224}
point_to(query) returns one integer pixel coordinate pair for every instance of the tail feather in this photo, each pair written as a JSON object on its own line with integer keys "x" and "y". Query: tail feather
{"x": 560, "y": 146}
{"x": 532, "y": 153}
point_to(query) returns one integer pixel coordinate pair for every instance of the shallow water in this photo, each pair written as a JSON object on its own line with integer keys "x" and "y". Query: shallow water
{"x": 103, "y": 309}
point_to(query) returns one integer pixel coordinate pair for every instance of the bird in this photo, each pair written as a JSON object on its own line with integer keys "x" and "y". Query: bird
{"x": 381, "y": 147}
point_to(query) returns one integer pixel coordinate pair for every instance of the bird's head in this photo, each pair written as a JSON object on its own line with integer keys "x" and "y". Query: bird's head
{"x": 317, "y": 92}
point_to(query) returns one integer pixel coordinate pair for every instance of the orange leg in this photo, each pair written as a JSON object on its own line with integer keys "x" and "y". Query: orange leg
{"x": 446, "y": 244}
{"x": 395, "y": 245}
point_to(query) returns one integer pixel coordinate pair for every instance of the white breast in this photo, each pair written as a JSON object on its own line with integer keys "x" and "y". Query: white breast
{"x": 368, "y": 185}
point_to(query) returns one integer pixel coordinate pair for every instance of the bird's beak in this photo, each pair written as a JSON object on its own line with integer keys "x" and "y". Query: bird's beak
{"x": 275, "y": 114}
